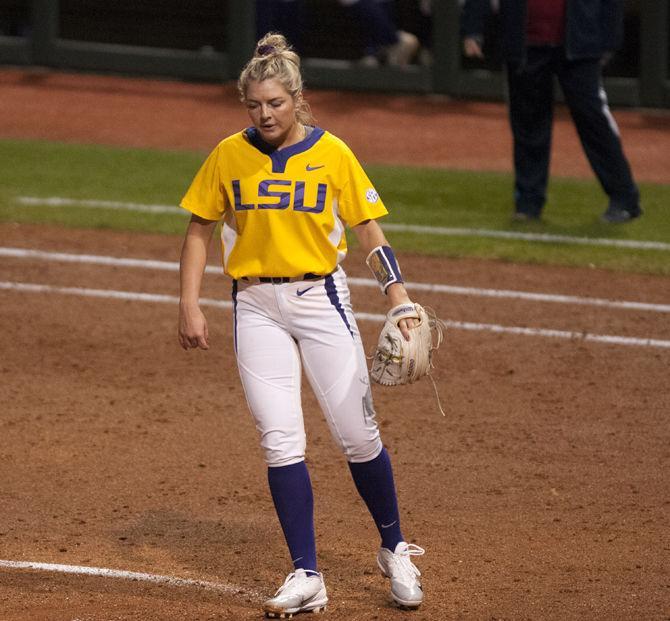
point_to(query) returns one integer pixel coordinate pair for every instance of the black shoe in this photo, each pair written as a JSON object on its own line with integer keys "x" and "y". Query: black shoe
{"x": 524, "y": 216}
{"x": 617, "y": 215}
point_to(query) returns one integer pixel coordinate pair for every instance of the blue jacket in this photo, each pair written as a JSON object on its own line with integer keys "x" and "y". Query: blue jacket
{"x": 592, "y": 28}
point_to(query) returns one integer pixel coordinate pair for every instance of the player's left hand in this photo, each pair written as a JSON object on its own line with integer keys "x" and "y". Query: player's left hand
{"x": 399, "y": 361}
{"x": 397, "y": 295}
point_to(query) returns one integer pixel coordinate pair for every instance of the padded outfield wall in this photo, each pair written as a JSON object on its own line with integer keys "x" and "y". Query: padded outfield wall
{"x": 210, "y": 39}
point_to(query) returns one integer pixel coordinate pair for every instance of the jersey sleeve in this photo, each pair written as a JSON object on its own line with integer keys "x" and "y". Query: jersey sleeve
{"x": 205, "y": 196}
{"x": 358, "y": 200}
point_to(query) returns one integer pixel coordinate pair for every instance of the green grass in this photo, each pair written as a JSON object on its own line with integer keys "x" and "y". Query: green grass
{"x": 413, "y": 195}
{"x": 461, "y": 199}
{"x": 91, "y": 172}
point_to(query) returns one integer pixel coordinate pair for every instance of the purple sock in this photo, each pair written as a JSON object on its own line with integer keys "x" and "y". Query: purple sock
{"x": 291, "y": 491}
{"x": 374, "y": 482}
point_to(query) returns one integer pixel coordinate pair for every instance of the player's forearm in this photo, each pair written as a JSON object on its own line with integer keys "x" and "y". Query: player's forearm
{"x": 191, "y": 269}
{"x": 397, "y": 294}
{"x": 192, "y": 264}
{"x": 369, "y": 235}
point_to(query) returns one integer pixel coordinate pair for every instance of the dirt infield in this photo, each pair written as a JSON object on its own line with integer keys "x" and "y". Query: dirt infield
{"x": 543, "y": 494}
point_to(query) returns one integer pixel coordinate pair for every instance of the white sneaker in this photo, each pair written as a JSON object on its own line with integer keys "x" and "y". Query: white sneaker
{"x": 401, "y": 53}
{"x": 405, "y": 584}
{"x": 301, "y": 592}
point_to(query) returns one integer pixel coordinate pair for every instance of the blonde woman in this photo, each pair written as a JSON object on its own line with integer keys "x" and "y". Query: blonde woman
{"x": 284, "y": 191}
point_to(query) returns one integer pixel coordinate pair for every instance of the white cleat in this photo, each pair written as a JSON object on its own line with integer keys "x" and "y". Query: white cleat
{"x": 406, "y": 588}
{"x": 301, "y": 592}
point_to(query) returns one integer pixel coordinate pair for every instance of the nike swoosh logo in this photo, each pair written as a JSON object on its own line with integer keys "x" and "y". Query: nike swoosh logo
{"x": 301, "y": 293}
{"x": 310, "y": 168}
{"x": 389, "y": 525}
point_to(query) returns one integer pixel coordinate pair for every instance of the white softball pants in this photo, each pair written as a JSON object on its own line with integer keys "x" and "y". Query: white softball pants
{"x": 281, "y": 328}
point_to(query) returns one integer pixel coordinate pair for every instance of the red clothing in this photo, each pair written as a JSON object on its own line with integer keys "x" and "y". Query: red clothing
{"x": 545, "y": 22}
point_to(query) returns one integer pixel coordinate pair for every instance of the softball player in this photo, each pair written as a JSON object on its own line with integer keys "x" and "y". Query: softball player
{"x": 283, "y": 190}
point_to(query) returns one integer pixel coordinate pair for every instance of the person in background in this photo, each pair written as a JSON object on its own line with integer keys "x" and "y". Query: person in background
{"x": 285, "y": 16}
{"x": 386, "y": 43}
{"x": 571, "y": 40}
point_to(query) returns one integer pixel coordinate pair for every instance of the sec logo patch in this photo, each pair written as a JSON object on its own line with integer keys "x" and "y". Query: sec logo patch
{"x": 371, "y": 195}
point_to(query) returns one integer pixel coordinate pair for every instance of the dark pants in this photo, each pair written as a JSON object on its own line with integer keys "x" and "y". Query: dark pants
{"x": 285, "y": 16}
{"x": 531, "y": 103}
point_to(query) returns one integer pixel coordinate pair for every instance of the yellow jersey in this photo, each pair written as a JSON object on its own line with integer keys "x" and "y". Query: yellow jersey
{"x": 283, "y": 211}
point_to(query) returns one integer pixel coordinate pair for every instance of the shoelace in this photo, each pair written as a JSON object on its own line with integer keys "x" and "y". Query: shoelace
{"x": 408, "y": 570}
{"x": 291, "y": 578}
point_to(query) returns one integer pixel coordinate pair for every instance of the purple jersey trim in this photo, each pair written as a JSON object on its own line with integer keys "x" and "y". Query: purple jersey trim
{"x": 392, "y": 264}
{"x": 331, "y": 290}
{"x": 280, "y": 157}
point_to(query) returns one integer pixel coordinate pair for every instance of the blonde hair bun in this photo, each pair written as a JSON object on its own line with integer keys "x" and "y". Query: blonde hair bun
{"x": 274, "y": 58}
{"x": 272, "y": 44}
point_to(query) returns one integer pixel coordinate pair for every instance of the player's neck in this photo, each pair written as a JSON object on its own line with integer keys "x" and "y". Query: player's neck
{"x": 294, "y": 136}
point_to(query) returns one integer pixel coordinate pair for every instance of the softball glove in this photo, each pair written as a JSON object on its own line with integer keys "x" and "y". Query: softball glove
{"x": 397, "y": 361}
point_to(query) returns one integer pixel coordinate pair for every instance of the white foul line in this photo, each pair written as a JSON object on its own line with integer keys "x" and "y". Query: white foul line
{"x": 129, "y": 575}
{"x": 521, "y": 295}
{"x": 458, "y": 325}
{"x": 537, "y": 237}
{"x": 93, "y": 259}
{"x": 58, "y": 201}
{"x": 173, "y": 266}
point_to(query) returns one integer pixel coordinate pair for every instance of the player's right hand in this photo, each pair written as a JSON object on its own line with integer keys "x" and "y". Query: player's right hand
{"x": 193, "y": 331}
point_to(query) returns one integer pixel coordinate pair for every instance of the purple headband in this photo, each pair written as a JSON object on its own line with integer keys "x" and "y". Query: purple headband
{"x": 265, "y": 50}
